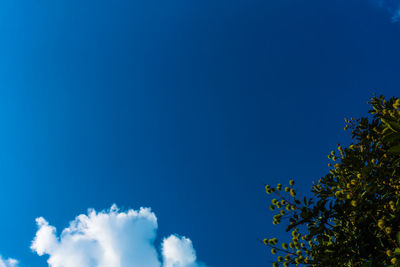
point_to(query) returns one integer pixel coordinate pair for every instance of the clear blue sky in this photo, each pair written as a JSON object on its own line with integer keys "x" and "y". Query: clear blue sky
{"x": 186, "y": 107}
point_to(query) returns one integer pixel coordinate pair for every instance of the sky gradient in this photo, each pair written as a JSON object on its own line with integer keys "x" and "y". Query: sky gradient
{"x": 186, "y": 107}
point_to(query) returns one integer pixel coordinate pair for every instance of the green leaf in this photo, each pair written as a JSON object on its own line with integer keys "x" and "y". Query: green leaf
{"x": 397, "y": 251}
{"x": 395, "y": 163}
{"x": 391, "y": 138}
{"x": 395, "y": 149}
{"x": 394, "y": 126}
{"x": 398, "y": 237}
{"x": 385, "y": 130}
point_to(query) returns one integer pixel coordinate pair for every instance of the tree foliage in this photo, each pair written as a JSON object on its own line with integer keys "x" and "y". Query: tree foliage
{"x": 353, "y": 216}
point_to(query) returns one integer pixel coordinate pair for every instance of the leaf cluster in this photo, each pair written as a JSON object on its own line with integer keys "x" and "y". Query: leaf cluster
{"x": 352, "y": 219}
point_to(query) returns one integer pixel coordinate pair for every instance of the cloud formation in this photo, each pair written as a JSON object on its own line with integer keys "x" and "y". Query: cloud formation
{"x": 112, "y": 238}
{"x": 8, "y": 262}
{"x": 178, "y": 252}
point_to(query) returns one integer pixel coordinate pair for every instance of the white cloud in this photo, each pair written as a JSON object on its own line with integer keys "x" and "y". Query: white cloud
{"x": 8, "y": 262}
{"x": 111, "y": 238}
{"x": 178, "y": 252}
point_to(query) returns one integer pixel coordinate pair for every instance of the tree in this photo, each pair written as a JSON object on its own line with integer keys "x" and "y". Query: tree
{"x": 353, "y": 216}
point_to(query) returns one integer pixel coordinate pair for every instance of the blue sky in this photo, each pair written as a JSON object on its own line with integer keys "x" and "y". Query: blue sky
{"x": 186, "y": 107}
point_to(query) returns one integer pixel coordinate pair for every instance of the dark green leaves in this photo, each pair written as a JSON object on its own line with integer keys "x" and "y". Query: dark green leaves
{"x": 395, "y": 149}
{"x": 353, "y": 217}
{"x": 398, "y": 238}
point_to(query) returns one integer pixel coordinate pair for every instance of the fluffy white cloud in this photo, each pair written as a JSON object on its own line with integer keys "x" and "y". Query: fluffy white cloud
{"x": 8, "y": 262}
{"x": 111, "y": 238}
{"x": 179, "y": 252}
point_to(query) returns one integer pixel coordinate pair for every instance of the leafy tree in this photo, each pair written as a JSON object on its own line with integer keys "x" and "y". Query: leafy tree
{"x": 353, "y": 216}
